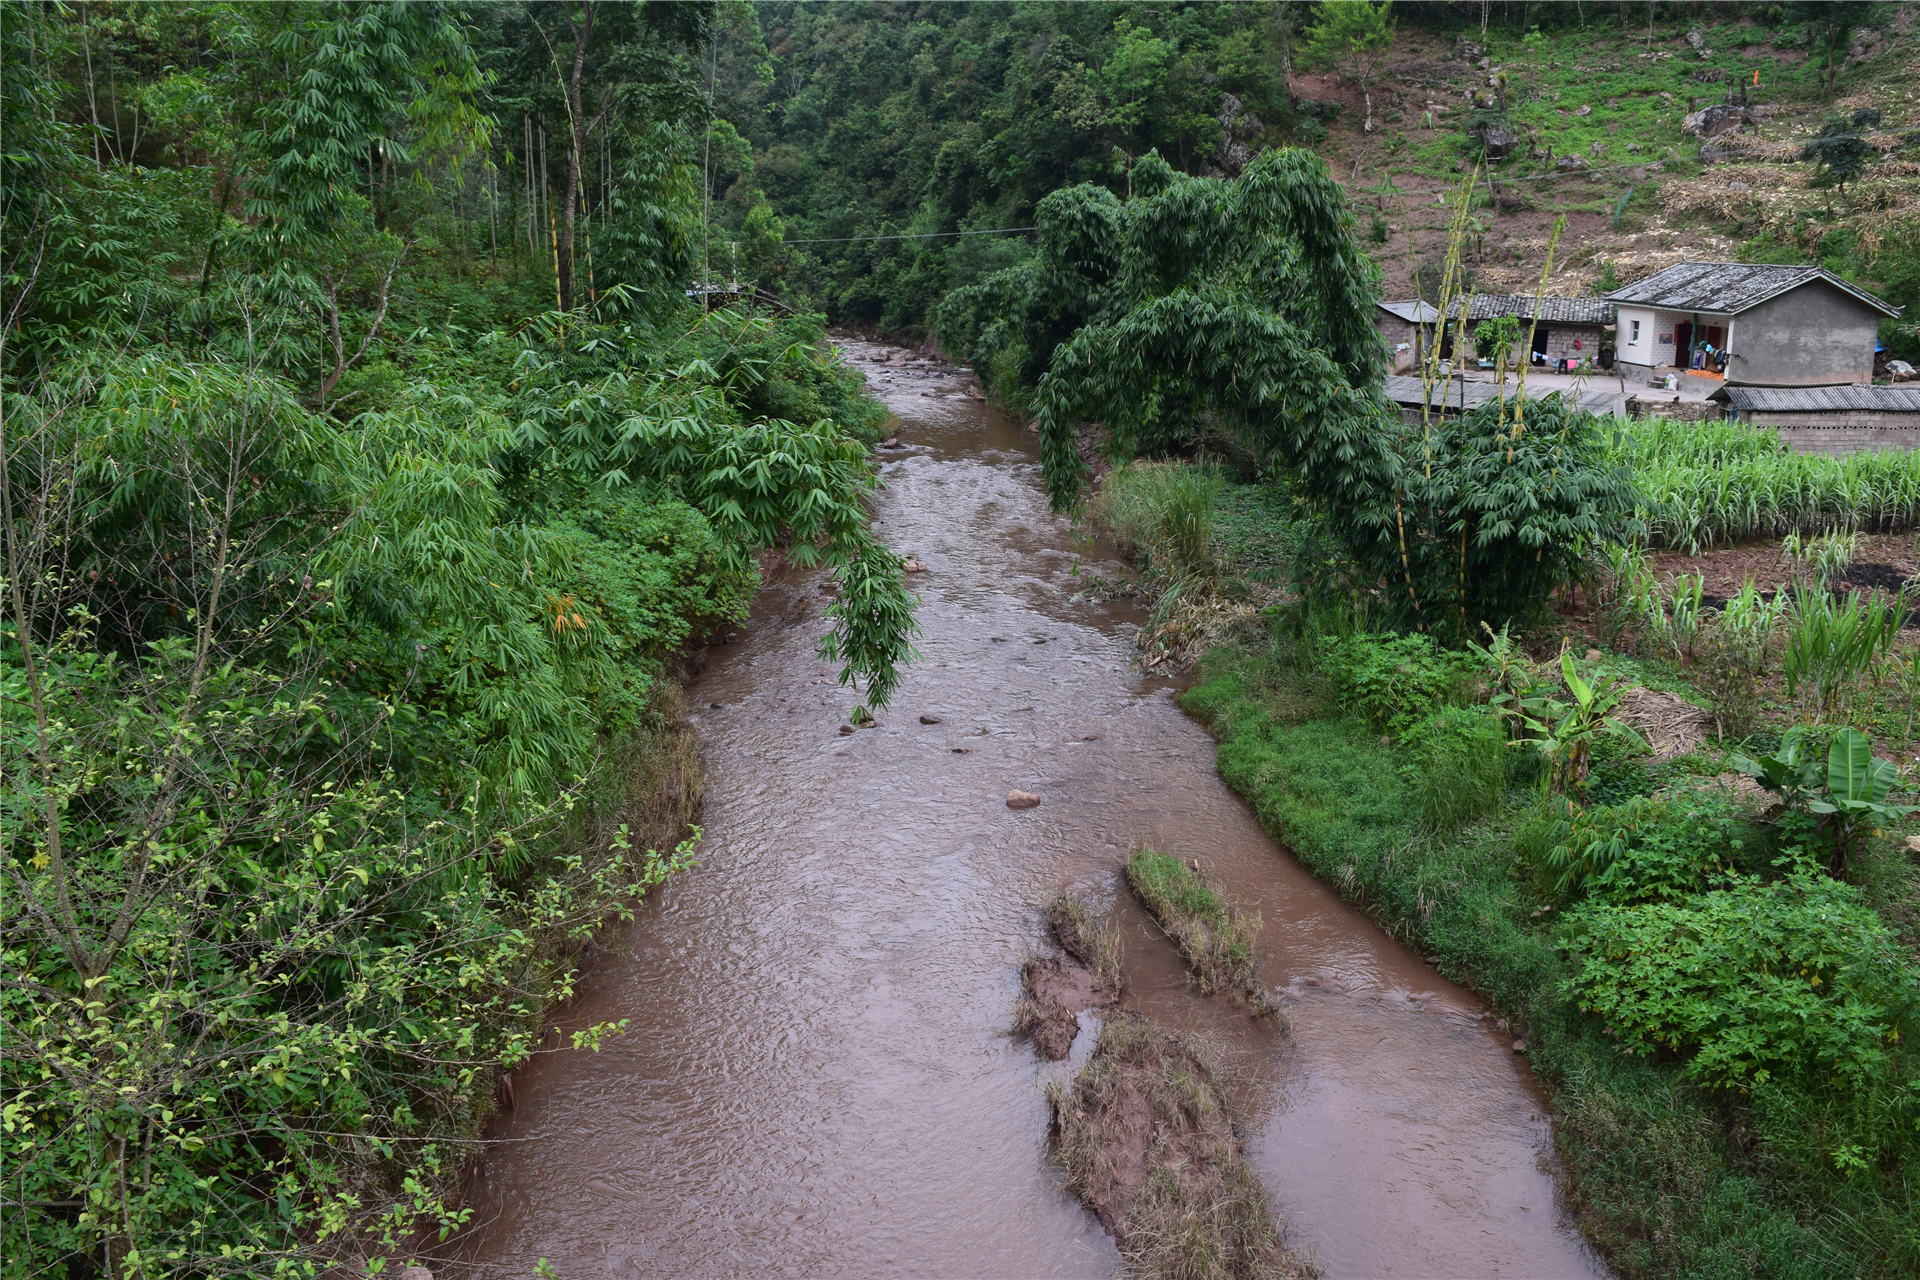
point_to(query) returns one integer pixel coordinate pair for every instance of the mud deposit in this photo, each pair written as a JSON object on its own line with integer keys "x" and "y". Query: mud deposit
{"x": 819, "y": 1078}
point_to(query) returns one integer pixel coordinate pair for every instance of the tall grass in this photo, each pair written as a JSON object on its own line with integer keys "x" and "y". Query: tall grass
{"x": 1162, "y": 514}
{"x": 1710, "y": 484}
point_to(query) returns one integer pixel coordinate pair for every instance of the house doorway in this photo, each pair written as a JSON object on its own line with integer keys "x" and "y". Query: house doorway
{"x": 1683, "y": 346}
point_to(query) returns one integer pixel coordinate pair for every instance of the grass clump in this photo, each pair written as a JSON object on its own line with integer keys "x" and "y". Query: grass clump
{"x": 1215, "y": 936}
{"x": 1093, "y": 943}
{"x": 1149, "y": 1145}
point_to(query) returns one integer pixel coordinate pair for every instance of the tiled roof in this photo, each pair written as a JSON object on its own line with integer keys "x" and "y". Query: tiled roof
{"x": 1413, "y": 311}
{"x": 1901, "y": 399}
{"x": 1728, "y": 288}
{"x": 1490, "y": 306}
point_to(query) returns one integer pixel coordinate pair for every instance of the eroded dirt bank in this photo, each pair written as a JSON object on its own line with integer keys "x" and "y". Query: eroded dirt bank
{"x": 819, "y": 1078}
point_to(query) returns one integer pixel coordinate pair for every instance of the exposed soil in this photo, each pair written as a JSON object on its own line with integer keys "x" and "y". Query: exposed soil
{"x": 1883, "y": 563}
{"x": 1150, "y": 1147}
{"x": 1055, "y": 989}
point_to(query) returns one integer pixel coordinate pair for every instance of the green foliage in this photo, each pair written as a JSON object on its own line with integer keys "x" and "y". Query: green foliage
{"x": 1162, "y": 516}
{"x": 1795, "y": 976}
{"x": 343, "y": 582}
{"x": 964, "y": 118}
{"x": 1564, "y": 731}
{"x": 1496, "y": 339}
{"x": 1396, "y": 681}
{"x": 1849, "y": 795}
{"x": 1713, "y": 484}
{"x": 1840, "y": 152}
{"x": 1831, "y": 647}
{"x": 1657, "y": 1169}
{"x": 1344, "y": 30}
{"x": 1457, "y": 766}
{"x": 1252, "y": 300}
{"x": 1647, "y": 849}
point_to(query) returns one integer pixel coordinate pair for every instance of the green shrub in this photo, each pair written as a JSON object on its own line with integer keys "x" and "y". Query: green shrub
{"x": 1648, "y": 848}
{"x": 1800, "y": 975}
{"x": 1394, "y": 680}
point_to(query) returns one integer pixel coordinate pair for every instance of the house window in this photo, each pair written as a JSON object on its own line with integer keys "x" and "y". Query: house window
{"x": 1636, "y": 333}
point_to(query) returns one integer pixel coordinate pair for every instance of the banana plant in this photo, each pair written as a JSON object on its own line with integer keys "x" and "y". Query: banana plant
{"x": 1855, "y": 802}
{"x": 1566, "y": 730}
{"x": 1793, "y": 774}
{"x": 1850, "y": 795}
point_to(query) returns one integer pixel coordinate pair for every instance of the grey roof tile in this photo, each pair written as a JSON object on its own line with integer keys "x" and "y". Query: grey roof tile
{"x": 1815, "y": 399}
{"x": 1489, "y": 306}
{"x": 1728, "y": 288}
{"x": 1413, "y": 311}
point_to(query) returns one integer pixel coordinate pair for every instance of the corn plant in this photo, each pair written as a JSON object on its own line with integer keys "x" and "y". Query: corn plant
{"x": 1710, "y": 484}
{"x": 1684, "y": 615}
{"x": 1734, "y": 647}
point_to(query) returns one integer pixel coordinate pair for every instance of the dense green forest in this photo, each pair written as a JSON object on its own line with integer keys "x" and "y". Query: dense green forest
{"x": 881, "y": 140}
{"x": 368, "y": 465}
{"x": 393, "y": 393}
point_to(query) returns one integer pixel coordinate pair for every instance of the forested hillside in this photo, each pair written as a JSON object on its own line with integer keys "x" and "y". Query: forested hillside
{"x": 868, "y": 120}
{"x": 367, "y": 469}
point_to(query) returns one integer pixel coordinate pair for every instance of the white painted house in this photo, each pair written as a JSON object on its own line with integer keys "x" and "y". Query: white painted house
{"x": 1753, "y": 324}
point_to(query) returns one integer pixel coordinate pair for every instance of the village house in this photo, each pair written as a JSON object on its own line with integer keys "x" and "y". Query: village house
{"x": 1407, "y": 328}
{"x": 1750, "y": 324}
{"x": 1566, "y": 332}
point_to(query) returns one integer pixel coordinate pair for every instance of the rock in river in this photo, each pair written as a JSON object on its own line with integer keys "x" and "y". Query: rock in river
{"x": 1022, "y": 799}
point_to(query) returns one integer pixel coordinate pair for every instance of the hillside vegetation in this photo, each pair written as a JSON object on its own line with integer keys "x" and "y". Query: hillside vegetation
{"x": 876, "y": 120}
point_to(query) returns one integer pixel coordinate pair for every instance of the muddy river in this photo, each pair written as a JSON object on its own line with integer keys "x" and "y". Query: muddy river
{"x": 818, "y": 1079}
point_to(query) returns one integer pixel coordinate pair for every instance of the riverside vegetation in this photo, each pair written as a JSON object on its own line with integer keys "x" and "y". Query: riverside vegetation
{"x": 1720, "y": 992}
{"x": 366, "y": 470}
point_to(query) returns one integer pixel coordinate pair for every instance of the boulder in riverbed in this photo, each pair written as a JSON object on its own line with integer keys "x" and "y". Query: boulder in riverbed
{"x": 1022, "y": 799}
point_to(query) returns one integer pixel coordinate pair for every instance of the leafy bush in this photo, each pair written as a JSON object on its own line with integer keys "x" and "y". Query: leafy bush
{"x": 1646, "y": 848}
{"x": 1394, "y": 680}
{"x": 1751, "y": 981}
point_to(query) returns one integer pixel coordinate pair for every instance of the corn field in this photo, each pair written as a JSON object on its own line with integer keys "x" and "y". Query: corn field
{"x": 1711, "y": 484}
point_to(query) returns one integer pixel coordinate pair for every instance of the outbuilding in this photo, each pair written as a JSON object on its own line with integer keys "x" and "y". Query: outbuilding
{"x": 1408, "y": 329}
{"x": 1753, "y": 324}
{"x": 1564, "y": 330}
{"x": 1832, "y": 420}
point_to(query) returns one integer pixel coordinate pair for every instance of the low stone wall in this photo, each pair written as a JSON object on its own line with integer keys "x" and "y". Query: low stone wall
{"x": 1656, "y": 406}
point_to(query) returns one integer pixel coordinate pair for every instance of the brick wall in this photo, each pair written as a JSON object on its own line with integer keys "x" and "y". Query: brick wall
{"x": 1842, "y": 432}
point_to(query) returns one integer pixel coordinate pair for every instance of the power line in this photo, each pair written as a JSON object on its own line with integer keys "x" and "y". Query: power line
{"x": 918, "y": 235}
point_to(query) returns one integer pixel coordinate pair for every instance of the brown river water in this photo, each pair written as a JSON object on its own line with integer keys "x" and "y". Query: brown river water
{"x": 818, "y": 1080}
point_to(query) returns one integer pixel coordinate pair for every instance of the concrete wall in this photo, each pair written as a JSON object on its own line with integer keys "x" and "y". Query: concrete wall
{"x": 1811, "y": 336}
{"x": 1840, "y": 431}
{"x": 1637, "y": 356}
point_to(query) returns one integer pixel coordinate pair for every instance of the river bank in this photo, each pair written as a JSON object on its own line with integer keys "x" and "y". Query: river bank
{"x": 818, "y": 1076}
{"x": 1669, "y": 1175}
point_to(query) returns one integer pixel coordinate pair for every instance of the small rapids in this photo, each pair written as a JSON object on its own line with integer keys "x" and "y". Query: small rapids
{"x": 818, "y": 1080}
